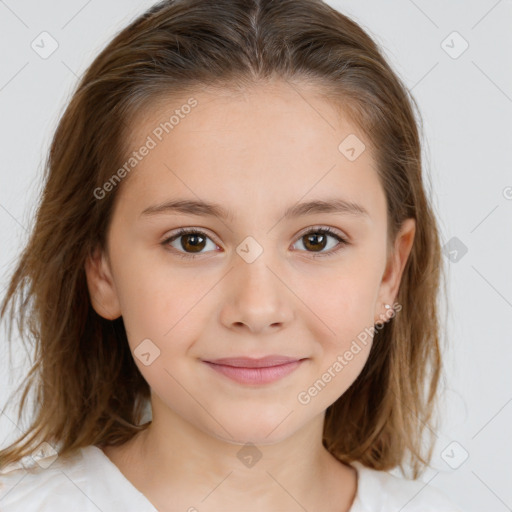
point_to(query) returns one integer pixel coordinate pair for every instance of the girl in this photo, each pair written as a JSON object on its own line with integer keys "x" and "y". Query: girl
{"x": 232, "y": 279}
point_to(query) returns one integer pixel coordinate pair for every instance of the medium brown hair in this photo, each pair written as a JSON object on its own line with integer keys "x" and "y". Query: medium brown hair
{"x": 88, "y": 388}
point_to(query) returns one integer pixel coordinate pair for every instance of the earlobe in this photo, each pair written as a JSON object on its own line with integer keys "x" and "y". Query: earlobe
{"x": 392, "y": 277}
{"x": 101, "y": 286}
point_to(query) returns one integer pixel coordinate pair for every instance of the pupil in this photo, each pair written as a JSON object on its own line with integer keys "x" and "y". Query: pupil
{"x": 195, "y": 245}
{"x": 315, "y": 237}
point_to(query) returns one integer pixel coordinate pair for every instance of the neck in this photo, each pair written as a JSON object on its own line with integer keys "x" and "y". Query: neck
{"x": 173, "y": 462}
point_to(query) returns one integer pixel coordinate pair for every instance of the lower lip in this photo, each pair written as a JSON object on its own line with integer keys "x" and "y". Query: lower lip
{"x": 255, "y": 375}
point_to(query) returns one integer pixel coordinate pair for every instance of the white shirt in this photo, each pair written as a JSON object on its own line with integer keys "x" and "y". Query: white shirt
{"x": 89, "y": 481}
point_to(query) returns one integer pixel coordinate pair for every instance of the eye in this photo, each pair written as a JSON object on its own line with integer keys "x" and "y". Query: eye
{"x": 193, "y": 241}
{"x": 190, "y": 242}
{"x": 317, "y": 239}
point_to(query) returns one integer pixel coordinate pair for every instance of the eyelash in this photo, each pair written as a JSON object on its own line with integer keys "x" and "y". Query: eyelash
{"x": 194, "y": 231}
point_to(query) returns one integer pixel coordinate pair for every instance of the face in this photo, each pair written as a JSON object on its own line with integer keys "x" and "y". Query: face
{"x": 256, "y": 275}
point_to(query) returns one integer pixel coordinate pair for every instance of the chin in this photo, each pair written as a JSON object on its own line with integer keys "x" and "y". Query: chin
{"x": 257, "y": 437}
{"x": 266, "y": 431}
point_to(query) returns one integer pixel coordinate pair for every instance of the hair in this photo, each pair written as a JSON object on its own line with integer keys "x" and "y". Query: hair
{"x": 88, "y": 387}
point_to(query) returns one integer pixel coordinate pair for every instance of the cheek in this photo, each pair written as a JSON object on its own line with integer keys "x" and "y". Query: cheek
{"x": 157, "y": 303}
{"x": 343, "y": 303}
{"x": 342, "y": 300}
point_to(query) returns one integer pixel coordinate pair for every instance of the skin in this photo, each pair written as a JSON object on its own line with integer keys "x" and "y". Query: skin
{"x": 256, "y": 153}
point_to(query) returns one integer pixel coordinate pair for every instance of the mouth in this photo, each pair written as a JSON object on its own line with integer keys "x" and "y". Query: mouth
{"x": 253, "y": 371}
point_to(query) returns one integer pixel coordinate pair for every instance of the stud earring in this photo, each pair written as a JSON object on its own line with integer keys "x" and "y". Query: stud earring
{"x": 387, "y": 306}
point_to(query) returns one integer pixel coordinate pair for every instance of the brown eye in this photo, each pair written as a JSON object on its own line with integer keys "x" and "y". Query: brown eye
{"x": 316, "y": 240}
{"x": 192, "y": 243}
{"x": 189, "y": 242}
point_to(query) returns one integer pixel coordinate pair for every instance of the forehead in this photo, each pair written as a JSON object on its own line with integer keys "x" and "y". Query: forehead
{"x": 250, "y": 113}
{"x": 276, "y": 140}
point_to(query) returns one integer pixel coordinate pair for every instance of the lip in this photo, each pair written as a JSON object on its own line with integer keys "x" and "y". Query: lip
{"x": 254, "y": 362}
{"x": 263, "y": 370}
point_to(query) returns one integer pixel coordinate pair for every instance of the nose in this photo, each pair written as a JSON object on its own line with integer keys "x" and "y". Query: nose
{"x": 256, "y": 298}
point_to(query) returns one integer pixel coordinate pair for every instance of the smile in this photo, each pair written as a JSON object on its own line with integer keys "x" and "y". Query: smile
{"x": 251, "y": 374}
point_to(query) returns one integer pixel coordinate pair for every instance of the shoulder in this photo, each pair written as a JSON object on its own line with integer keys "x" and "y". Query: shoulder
{"x": 31, "y": 485}
{"x": 384, "y": 492}
{"x": 83, "y": 479}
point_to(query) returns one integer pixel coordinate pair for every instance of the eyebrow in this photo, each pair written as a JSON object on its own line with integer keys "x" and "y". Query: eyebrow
{"x": 205, "y": 208}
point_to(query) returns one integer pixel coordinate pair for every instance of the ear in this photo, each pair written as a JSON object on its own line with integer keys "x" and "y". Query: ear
{"x": 395, "y": 266}
{"x": 101, "y": 285}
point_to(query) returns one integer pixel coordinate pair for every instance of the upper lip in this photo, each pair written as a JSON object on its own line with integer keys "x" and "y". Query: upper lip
{"x": 250, "y": 362}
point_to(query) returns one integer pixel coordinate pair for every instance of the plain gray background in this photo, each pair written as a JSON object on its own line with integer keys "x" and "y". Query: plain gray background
{"x": 456, "y": 58}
